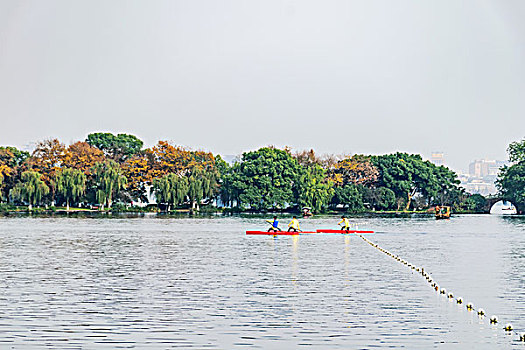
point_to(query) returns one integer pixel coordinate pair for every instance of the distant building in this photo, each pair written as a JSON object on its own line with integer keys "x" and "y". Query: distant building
{"x": 484, "y": 168}
{"x": 482, "y": 176}
{"x": 437, "y": 158}
{"x": 480, "y": 186}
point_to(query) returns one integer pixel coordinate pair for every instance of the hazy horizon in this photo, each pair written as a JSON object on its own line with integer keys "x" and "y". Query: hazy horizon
{"x": 337, "y": 76}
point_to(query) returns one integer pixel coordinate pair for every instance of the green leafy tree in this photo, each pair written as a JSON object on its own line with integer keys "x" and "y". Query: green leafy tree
{"x": 108, "y": 181}
{"x": 400, "y": 173}
{"x": 71, "y": 183}
{"x": 118, "y": 147}
{"x": 511, "y": 179}
{"x": 313, "y": 188}
{"x": 380, "y": 198}
{"x": 230, "y": 186}
{"x": 475, "y": 203}
{"x": 221, "y": 165}
{"x": 408, "y": 175}
{"x": 349, "y": 197}
{"x": 12, "y": 156}
{"x": 511, "y": 184}
{"x": 516, "y": 151}
{"x": 263, "y": 179}
{"x": 30, "y": 189}
{"x": 171, "y": 189}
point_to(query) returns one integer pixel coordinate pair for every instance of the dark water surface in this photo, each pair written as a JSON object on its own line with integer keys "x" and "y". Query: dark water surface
{"x": 201, "y": 283}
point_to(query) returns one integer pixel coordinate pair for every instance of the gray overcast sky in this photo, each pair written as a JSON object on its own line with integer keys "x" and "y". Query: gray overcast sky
{"x": 230, "y": 76}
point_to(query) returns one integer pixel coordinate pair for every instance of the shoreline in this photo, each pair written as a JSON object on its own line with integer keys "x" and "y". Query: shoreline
{"x": 204, "y": 213}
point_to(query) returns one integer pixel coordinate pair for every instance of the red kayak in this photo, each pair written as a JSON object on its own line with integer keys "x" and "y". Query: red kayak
{"x": 277, "y": 233}
{"x": 342, "y": 231}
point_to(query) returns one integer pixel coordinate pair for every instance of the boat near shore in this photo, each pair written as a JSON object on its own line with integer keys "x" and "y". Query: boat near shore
{"x": 503, "y": 207}
{"x": 442, "y": 212}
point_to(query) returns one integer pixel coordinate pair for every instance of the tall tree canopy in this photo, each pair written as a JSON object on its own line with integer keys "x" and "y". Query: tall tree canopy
{"x": 407, "y": 175}
{"x": 263, "y": 179}
{"x": 12, "y": 156}
{"x": 166, "y": 158}
{"x": 138, "y": 172}
{"x": 118, "y": 147}
{"x": 83, "y": 156}
{"x": 47, "y": 158}
{"x": 516, "y": 151}
{"x": 357, "y": 170}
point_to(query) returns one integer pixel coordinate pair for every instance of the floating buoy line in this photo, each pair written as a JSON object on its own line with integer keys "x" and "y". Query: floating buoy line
{"x": 459, "y": 300}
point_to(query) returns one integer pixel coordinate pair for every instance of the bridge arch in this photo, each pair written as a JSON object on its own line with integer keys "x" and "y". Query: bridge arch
{"x": 490, "y": 201}
{"x": 501, "y": 206}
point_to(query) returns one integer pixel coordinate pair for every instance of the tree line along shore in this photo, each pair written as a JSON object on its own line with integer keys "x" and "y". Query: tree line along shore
{"x": 114, "y": 172}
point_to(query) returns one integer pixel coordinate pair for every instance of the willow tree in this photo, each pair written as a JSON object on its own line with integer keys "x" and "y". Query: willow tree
{"x": 202, "y": 183}
{"x": 118, "y": 147}
{"x": 71, "y": 183}
{"x": 313, "y": 188}
{"x": 108, "y": 181}
{"x": 30, "y": 189}
{"x": 170, "y": 189}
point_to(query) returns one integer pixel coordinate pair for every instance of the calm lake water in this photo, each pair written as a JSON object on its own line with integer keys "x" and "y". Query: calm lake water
{"x": 202, "y": 283}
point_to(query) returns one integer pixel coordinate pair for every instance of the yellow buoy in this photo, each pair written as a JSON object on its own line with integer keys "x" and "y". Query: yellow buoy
{"x": 481, "y": 312}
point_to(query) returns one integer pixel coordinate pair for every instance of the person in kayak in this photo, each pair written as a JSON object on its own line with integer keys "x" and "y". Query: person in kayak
{"x": 344, "y": 223}
{"x": 294, "y": 225}
{"x": 275, "y": 225}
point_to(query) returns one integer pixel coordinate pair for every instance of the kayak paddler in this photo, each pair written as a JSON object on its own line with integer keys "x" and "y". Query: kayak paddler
{"x": 275, "y": 225}
{"x": 294, "y": 225}
{"x": 344, "y": 223}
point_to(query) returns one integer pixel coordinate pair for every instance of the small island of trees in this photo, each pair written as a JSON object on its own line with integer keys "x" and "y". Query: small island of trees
{"x": 108, "y": 170}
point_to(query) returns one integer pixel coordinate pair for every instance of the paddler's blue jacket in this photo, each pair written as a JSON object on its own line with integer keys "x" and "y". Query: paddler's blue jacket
{"x": 275, "y": 223}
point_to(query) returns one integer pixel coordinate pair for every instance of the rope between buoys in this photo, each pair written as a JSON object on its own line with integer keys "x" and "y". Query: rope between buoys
{"x": 470, "y": 307}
